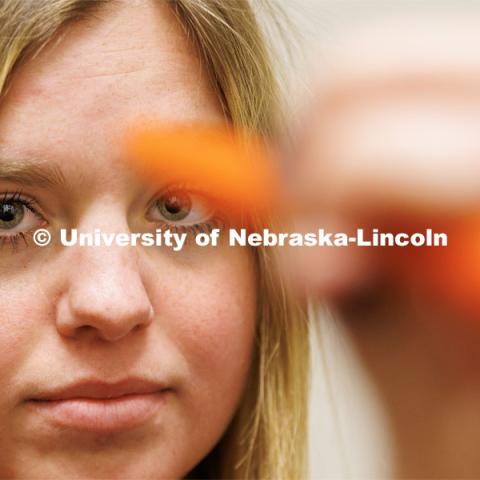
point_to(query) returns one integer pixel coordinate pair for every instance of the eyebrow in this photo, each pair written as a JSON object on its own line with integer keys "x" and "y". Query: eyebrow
{"x": 32, "y": 173}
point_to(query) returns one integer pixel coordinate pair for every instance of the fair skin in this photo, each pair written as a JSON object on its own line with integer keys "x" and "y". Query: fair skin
{"x": 106, "y": 314}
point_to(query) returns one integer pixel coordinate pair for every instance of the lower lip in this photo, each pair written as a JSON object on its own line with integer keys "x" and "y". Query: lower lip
{"x": 102, "y": 415}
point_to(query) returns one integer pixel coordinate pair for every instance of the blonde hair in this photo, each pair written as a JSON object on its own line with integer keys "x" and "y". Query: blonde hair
{"x": 267, "y": 437}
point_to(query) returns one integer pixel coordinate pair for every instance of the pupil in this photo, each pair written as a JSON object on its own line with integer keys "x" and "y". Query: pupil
{"x": 173, "y": 205}
{"x": 11, "y": 214}
{"x": 7, "y": 212}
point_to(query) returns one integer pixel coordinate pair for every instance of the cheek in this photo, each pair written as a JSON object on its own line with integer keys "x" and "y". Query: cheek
{"x": 22, "y": 304}
{"x": 208, "y": 311}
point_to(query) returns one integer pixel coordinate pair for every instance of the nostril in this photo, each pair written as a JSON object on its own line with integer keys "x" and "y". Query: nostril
{"x": 84, "y": 328}
{"x": 138, "y": 327}
{"x": 93, "y": 302}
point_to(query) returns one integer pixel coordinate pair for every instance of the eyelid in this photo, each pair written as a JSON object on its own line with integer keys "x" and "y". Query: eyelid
{"x": 14, "y": 237}
{"x": 193, "y": 191}
{"x": 29, "y": 203}
{"x": 19, "y": 196}
{"x": 183, "y": 188}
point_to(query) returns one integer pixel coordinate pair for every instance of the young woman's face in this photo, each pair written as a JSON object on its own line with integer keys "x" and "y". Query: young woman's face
{"x": 116, "y": 362}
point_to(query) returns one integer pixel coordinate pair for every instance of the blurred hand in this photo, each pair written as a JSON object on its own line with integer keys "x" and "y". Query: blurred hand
{"x": 391, "y": 139}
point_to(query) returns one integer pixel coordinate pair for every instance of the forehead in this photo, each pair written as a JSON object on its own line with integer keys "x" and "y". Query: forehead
{"x": 128, "y": 61}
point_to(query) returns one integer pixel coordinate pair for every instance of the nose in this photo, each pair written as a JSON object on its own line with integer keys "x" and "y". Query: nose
{"x": 104, "y": 295}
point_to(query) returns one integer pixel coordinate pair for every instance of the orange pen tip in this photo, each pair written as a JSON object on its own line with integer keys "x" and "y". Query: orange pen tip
{"x": 234, "y": 167}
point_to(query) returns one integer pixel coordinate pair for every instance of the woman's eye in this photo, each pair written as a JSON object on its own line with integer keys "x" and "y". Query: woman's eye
{"x": 180, "y": 207}
{"x": 16, "y": 216}
{"x": 11, "y": 214}
{"x": 174, "y": 207}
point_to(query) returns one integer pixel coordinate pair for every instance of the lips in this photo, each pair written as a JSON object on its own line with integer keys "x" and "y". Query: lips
{"x": 101, "y": 407}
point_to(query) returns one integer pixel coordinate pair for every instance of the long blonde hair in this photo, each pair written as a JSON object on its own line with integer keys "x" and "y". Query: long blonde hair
{"x": 267, "y": 437}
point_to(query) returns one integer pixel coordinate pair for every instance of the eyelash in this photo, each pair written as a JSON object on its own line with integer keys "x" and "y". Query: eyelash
{"x": 216, "y": 221}
{"x": 14, "y": 239}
